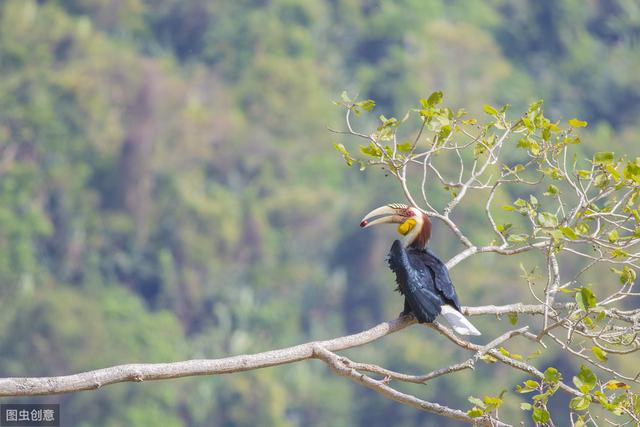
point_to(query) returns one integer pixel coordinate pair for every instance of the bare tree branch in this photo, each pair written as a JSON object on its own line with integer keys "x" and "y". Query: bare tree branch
{"x": 32, "y": 386}
{"x": 338, "y": 365}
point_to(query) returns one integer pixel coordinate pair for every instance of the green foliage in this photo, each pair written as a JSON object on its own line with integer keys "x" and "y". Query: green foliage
{"x": 166, "y": 191}
{"x": 585, "y": 298}
{"x": 488, "y": 405}
{"x": 585, "y": 381}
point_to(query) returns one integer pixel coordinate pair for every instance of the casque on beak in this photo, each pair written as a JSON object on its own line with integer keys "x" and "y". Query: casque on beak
{"x": 394, "y": 214}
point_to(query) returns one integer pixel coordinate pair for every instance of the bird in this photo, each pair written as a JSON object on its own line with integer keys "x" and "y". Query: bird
{"x": 421, "y": 276}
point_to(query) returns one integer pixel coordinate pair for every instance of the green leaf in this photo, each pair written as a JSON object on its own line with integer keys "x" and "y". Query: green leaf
{"x": 580, "y": 403}
{"x": 387, "y": 122}
{"x": 583, "y": 173}
{"x": 547, "y": 219}
{"x": 345, "y": 153}
{"x": 513, "y": 318}
{"x": 588, "y": 322}
{"x": 619, "y": 253}
{"x": 490, "y": 110}
{"x": 532, "y": 384}
{"x": 616, "y": 385}
{"x": 528, "y": 387}
{"x": 529, "y": 144}
{"x": 525, "y": 406}
{"x": 577, "y": 123}
{"x": 477, "y": 402}
{"x": 518, "y": 238}
{"x": 600, "y": 354}
{"x": 371, "y": 150}
{"x": 569, "y": 233}
{"x": 614, "y": 173}
{"x": 603, "y": 158}
{"x": 434, "y": 99}
{"x": 555, "y": 234}
{"x": 579, "y": 422}
{"x": 585, "y": 299}
{"x": 613, "y": 236}
{"x": 366, "y": 105}
{"x": 535, "y": 106}
{"x": 632, "y": 171}
{"x": 340, "y": 148}
{"x": 502, "y": 228}
{"x": 504, "y": 352}
{"x": 582, "y": 228}
{"x": 628, "y": 275}
{"x": 405, "y": 146}
{"x": 475, "y": 412}
{"x": 585, "y": 380}
{"x": 540, "y": 415}
{"x": 552, "y": 375}
{"x": 488, "y": 358}
{"x": 492, "y": 401}
{"x": 552, "y": 190}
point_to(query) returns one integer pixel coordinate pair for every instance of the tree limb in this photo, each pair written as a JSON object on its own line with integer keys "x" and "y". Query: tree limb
{"x": 90, "y": 380}
{"x": 322, "y": 350}
{"x": 338, "y": 365}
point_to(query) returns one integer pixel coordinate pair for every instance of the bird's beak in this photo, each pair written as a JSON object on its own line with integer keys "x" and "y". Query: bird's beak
{"x": 384, "y": 215}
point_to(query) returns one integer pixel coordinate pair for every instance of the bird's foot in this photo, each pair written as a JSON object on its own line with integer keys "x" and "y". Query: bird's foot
{"x": 405, "y": 313}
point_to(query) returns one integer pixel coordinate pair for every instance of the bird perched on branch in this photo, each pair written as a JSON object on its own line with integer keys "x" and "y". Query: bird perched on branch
{"x": 422, "y": 277}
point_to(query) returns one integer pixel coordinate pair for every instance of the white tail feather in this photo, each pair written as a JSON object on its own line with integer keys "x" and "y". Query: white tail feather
{"x": 458, "y": 322}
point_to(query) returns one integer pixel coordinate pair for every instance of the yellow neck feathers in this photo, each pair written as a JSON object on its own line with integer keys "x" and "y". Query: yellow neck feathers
{"x": 406, "y": 226}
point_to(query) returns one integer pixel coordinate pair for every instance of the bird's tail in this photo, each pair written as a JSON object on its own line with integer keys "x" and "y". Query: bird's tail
{"x": 458, "y": 322}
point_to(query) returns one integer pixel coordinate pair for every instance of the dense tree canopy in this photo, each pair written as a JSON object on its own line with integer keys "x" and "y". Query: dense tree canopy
{"x": 169, "y": 189}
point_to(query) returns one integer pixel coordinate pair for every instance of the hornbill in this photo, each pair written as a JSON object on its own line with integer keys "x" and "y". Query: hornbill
{"x": 421, "y": 276}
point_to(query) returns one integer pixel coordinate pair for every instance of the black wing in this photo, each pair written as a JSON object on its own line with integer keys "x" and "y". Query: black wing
{"x": 441, "y": 276}
{"x": 417, "y": 282}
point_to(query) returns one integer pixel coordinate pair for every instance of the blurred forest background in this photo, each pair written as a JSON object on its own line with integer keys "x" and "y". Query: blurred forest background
{"x": 169, "y": 190}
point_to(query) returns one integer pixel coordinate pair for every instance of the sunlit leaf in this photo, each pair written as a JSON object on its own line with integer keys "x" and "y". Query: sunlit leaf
{"x": 518, "y": 238}
{"x": 585, "y": 299}
{"x": 547, "y": 219}
{"x": 600, "y": 354}
{"x": 434, "y": 99}
{"x": 603, "y": 158}
{"x": 616, "y": 385}
{"x": 405, "y": 146}
{"x": 488, "y": 358}
{"x": 492, "y": 401}
{"x": 577, "y": 123}
{"x": 475, "y": 412}
{"x": 490, "y": 110}
{"x": 569, "y": 233}
{"x": 580, "y": 403}
{"x": 367, "y": 105}
{"x": 552, "y": 375}
{"x": 585, "y": 380}
{"x": 540, "y": 415}
{"x": 476, "y": 401}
